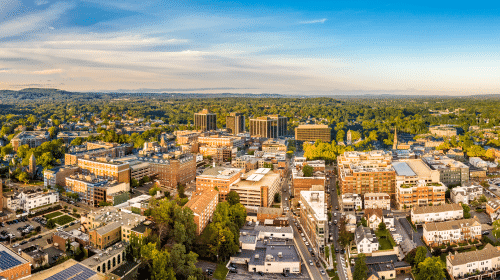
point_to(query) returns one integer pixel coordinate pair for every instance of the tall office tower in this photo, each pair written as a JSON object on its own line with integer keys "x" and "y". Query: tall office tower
{"x": 273, "y": 126}
{"x": 235, "y": 123}
{"x": 205, "y": 120}
{"x": 313, "y": 132}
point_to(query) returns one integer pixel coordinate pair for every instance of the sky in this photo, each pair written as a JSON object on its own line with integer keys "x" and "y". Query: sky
{"x": 285, "y": 47}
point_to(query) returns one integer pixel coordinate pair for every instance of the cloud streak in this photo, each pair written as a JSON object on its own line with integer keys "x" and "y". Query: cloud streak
{"x": 323, "y": 20}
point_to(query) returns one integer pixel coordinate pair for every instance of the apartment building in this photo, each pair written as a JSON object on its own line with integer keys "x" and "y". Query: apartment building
{"x": 218, "y": 178}
{"x": 443, "y": 130}
{"x": 454, "y": 231}
{"x": 235, "y": 123}
{"x": 98, "y": 150}
{"x": 273, "y": 126}
{"x": 31, "y": 138}
{"x": 451, "y": 172}
{"x": 420, "y": 194}
{"x": 313, "y": 132}
{"x": 105, "y": 225}
{"x": 377, "y": 201}
{"x": 205, "y": 120}
{"x": 480, "y": 163}
{"x": 436, "y": 213}
{"x": 479, "y": 264}
{"x": 245, "y": 162}
{"x": 257, "y": 187}
{"x": 218, "y": 154}
{"x": 274, "y": 145}
{"x": 29, "y": 199}
{"x": 141, "y": 230}
{"x": 105, "y": 168}
{"x": 366, "y": 172}
{"x": 493, "y": 208}
{"x": 170, "y": 171}
{"x": 301, "y": 183}
{"x": 220, "y": 141}
{"x": 203, "y": 204}
{"x": 187, "y": 138}
{"x": 351, "y": 202}
{"x": 366, "y": 241}
{"x": 13, "y": 265}
{"x": 57, "y": 175}
{"x": 313, "y": 217}
{"x": 466, "y": 194}
{"x": 106, "y": 261}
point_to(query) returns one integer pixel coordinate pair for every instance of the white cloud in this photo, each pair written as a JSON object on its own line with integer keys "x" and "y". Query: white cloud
{"x": 314, "y": 21}
{"x": 47, "y": 72}
{"x": 34, "y": 21}
{"x": 41, "y": 2}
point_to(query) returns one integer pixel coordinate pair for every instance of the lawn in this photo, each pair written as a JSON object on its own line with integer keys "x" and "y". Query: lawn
{"x": 63, "y": 220}
{"x": 385, "y": 243}
{"x": 52, "y": 215}
{"x": 221, "y": 272}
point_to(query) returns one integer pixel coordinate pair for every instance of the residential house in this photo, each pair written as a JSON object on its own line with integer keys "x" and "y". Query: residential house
{"x": 366, "y": 241}
{"x": 377, "y": 201}
{"x": 436, "y": 213}
{"x": 373, "y": 218}
{"x": 465, "y": 194}
{"x": 483, "y": 263}
{"x": 351, "y": 202}
{"x": 454, "y": 231}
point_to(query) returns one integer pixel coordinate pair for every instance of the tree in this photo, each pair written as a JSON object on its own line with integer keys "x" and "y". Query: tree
{"x": 496, "y": 229}
{"x": 431, "y": 269}
{"x": 360, "y": 268}
{"x": 364, "y": 222}
{"x": 382, "y": 227}
{"x": 466, "y": 211}
{"x": 24, "y": 177}
{"x": 420, "y": 254}
{"x": 154, "y": 190}
{"x": 105, "y": 203}
{"x": 483, "y": 199}
{"x": 233, "y": 198}
{"x": 307, "y": 170}
{"x": 277, "y": 198}
{"x": 134, "y": 183}
{"x": 51, "y": 224}
{"x": 77, "y": 141}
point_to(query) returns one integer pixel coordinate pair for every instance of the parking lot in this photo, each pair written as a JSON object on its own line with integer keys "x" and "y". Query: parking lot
{"x": 243, "y": 274}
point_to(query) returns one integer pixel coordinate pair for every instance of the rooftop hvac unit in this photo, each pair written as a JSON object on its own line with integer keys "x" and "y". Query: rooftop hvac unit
{"x": 280, "y": 254}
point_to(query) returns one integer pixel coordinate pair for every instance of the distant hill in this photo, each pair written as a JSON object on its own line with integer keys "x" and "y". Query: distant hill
{"x": 41, "y": 94}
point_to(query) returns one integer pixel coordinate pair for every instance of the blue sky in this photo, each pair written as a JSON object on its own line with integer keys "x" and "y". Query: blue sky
{"x": 289, "y": 47}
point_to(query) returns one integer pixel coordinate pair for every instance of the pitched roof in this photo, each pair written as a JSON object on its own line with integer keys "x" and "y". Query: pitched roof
{"x": 453, "y": 224}
{"x": 200, "y": 200}
{"x": 370, "y": 212}
{"x": 487, "y": 253}
{"x": 436, "y": 208}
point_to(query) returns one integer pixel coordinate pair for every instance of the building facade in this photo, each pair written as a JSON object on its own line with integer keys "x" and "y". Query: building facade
{"x": 203, "y": 205}
{"x": 377, "y": 201}
{"x": 420, "y": 194}
{"x": 235, "y": 123}
{"x": 273, "y": 126}
{"x": 437, "y": 233}
{"x": 205, "y": 120}
{"x": 313, "y": 132}
{"x": 313, "y": 217}
{"x": 436, "y": 213}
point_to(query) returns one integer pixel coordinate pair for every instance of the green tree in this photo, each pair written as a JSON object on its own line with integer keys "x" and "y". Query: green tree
{"x": 431, "y": 269}
{"x": 496, "y": 229}
{"x": 233, "y": 198}
{"x": 307, "y": 170}
{"x": 420, "y": 255}
{"x": 154, "y": 190}
{"x": 364, "y": 222}
{"x": 382, "y": 227}
{"x": 360, "y": 269}
{"x": 277, "y": 198}
{"x": 77, "y": 141}
{"x": 466, "y": 211}
{"x": 51, "y": 224}
{"x": 24, "y": 177}
{"x": 134, "y": 183}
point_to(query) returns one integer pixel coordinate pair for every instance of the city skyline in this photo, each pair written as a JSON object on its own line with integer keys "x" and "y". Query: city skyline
{"x": 279, "y": 47}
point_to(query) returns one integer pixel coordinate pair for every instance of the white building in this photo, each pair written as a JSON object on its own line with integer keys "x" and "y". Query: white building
{"x": 366, "y": 241}
{"x": 480, "y": 163}
{"x": 436, "y": 213}
{"x": 313, "y": 216}
{"x": 484, "y": 262}
{"x": 373, "y": 218}
{"x": 451, "y": 231}
{"x": 377, "y": 201}
{"x": 30, "y": 199}
{"x": 351, "y": 202}
{"x": 466, "y": 194}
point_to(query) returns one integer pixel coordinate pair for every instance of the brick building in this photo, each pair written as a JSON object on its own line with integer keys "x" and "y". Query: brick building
{"x": 13, "y": 266}
{"x": 218, "y": 178}
{"x": 31, "y": 138}
{"x": 203, "y": 205}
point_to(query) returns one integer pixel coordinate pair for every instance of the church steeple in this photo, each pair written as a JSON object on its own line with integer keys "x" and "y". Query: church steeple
{"x": 395, "y": 144}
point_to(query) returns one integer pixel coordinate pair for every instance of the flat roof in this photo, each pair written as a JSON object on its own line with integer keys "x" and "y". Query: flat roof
{"x": 403, "y": 169}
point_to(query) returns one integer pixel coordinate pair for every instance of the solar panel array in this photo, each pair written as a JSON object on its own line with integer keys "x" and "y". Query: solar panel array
{"x": 7, "y": 261}
{"x": 74, "y": 272}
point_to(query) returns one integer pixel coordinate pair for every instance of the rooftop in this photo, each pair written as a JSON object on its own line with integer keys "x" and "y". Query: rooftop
{"x": 450, "y": 225}
{"x": 68, "y": 270}
{"x": 200, "y": 200}
{"x": 436, "y": 208}
{"x": 316, "y": 201}
{"x": 488, "y": 252}
{"x": 220, "y": 172}
{"x": 9, "y": 259}
{"x": 103, "y": 255}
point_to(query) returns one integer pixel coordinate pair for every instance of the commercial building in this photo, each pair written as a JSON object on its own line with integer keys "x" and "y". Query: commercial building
{"x": 29, "y": 199}
{"x": 218, "y": 178}
{"x": 480, "y": 163}
{"x": 205, "y": 120}
{"x": 351, "y": 202}
{"x": 302, "y": 183}
{"x": 274, "y": 145}
{"x": 478, "y": 264}
{"x": 436, "y": 213}
{"x": 257, "y": 187}
{"x": 35, "y": 255}
{"x": 451, "y": 172}
{"x": 412, "y": 171}
{"x": 98, "y": 150}
{"x": 443, "y": 130}
{"x": 92, "y": 190}
{"x": 31, "y": 138}
{"x": 313, "y": 132}
{"x": 420, "y": 194}
{"x": 273, "y": 126}
{"x": 366, "y": 172}
{"x": 203, "y": 204}
{"x": 61, "y": 237}
{"x": 69, "y": 267}
{"x": 268, "y": 249}
{"x": 170, "y": 171}
{"x": 221, "y": 141}
{"x": 13, "y": 266}
{"x": 454, "y": 231}
{"x": 105, "y": 261}
{"x": 366, "y": 241}
{"x": 377, "y": 201}
{"x": 466, "y": 194}
{"x": 235, "y": 123}
{"x": 313, "y": 217}
{"x": 105, "y": 168}
{"x": 57, "y": 175}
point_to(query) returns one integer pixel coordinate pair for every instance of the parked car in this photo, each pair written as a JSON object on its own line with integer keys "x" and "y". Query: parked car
{"x": 24, "y": 242}
{"x": 311, "y": 262}
{"x": 322, "y": 272}
{"x": 486, "y": 232}
{"x": 15, "y": 245}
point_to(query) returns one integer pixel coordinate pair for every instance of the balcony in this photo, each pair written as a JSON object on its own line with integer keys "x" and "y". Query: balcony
{"x": 479, "y": 275}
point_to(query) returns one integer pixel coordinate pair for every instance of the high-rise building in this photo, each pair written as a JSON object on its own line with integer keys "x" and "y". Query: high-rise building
{"x": 313, "y": 132}
{"x": 235, "y": 123}
{"x": 205, "y": 120}
{"x": 273, "y": 126}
